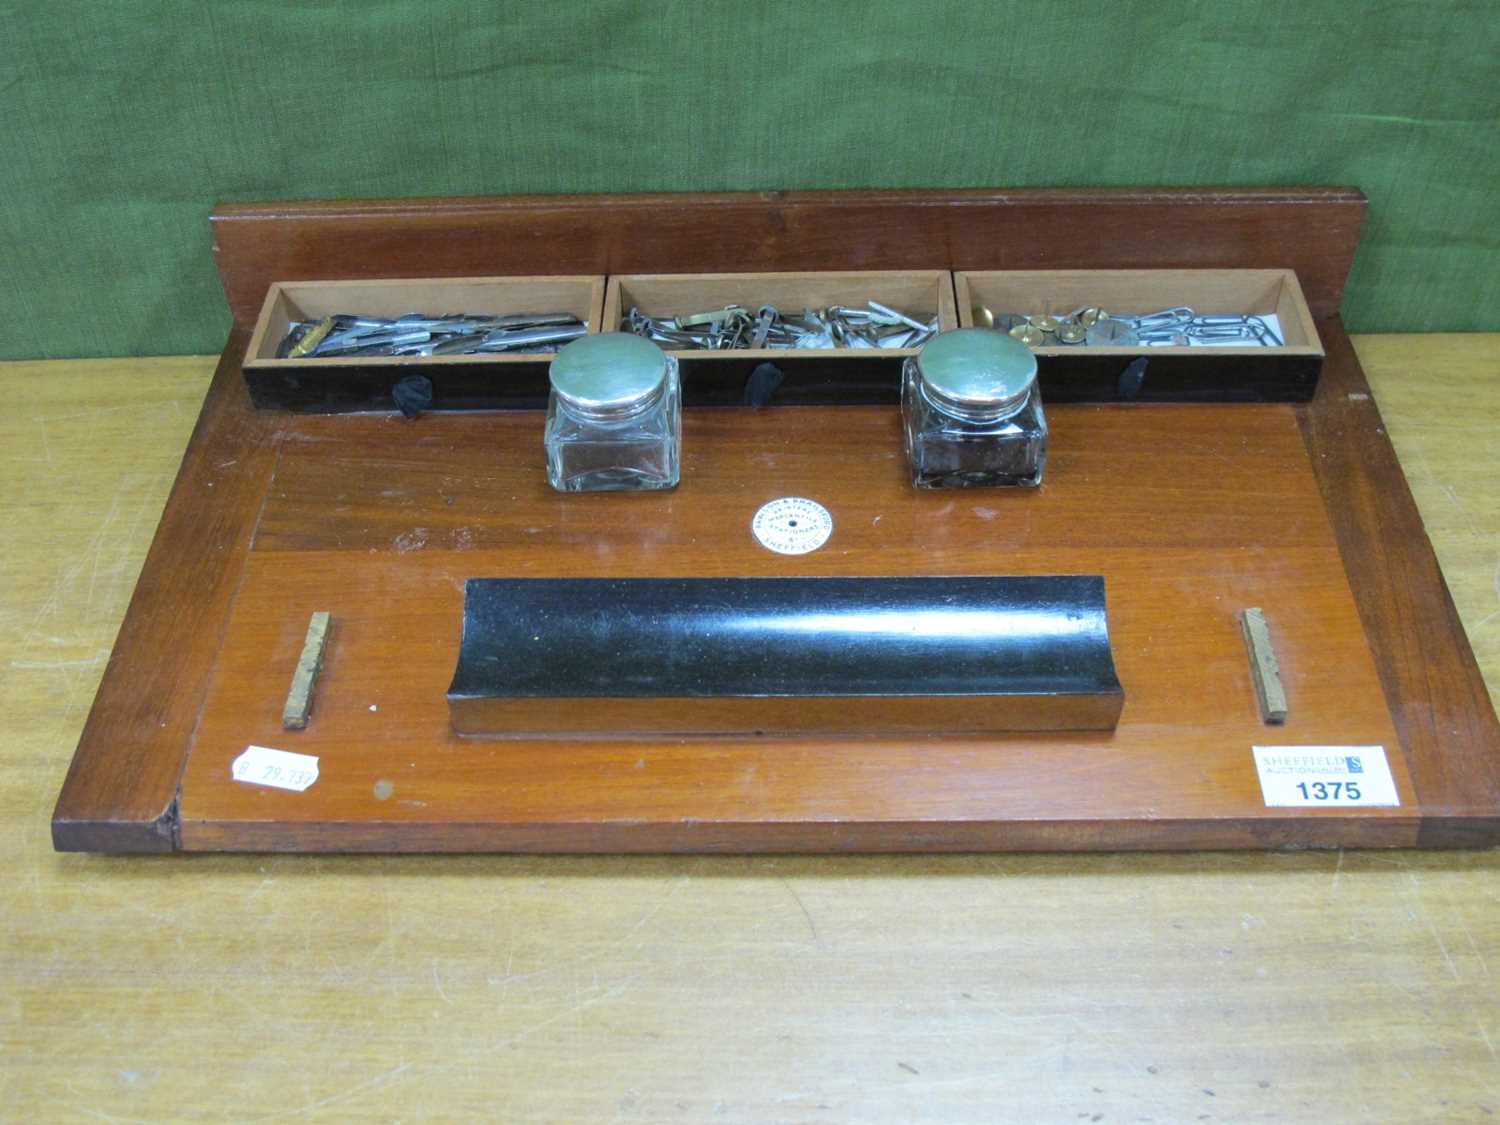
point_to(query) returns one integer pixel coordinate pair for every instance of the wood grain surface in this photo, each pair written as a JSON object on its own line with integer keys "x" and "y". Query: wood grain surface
{"x": 1436, "y": 690}
{"x": 1220, "y": 987}
{"x": 381, "y": 522}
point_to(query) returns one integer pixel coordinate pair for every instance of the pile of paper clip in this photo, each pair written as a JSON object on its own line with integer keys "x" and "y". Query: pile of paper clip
{"x": 735, "y": 326}
{"x": 415, "y": 334}
{"x": 1174, "y": 327}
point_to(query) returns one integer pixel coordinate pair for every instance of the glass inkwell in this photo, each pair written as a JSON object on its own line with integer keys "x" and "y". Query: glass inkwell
{"x": 972, "y": 412}
{"x": 614, "y": 416}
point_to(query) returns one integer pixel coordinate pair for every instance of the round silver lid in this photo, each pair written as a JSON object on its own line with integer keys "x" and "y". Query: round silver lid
{"x": 977, "y": 367}
{"x": 607, "y": 371}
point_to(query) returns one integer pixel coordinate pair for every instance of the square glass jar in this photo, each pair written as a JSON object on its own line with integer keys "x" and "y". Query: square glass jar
{"x": 972, "y": 413}
{"x": 614, "y": 416}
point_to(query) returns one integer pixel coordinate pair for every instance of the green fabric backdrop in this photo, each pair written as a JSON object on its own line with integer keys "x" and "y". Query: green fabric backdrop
{"x": 121, "y": 124}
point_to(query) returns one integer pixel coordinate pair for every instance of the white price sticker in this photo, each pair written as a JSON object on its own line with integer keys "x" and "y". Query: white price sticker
{"x": 1325, "y": 776}
{"x": 280, "y": 769}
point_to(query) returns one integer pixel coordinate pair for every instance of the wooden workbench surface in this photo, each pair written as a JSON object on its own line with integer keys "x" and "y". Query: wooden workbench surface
{"x": 1309, "y": 986}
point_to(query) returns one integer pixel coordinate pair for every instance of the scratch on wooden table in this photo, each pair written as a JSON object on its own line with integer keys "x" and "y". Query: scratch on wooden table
{"x": 92, "y": 413}
{"x": 572, "y": 1009}
{"x": 595, "y": 956}
{"x": 343, "y": 1095}
{"x": 1494, "y": 613}
{"x": 1445, "y": 488}
{"x": 1483, "y": 964}
{"x": 1485, "y": 1035}
{"x": 100, "y": 1115}
{"x": 96, "y": 547}
{"x": 55, "y": 665}
{"x": 1411, "y": 878}
{"x": 811, "y": 925}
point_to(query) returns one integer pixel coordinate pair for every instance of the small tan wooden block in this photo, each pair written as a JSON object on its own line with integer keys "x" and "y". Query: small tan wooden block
{"x": 1264, "y": 669}
{"x": 299, "y": 699}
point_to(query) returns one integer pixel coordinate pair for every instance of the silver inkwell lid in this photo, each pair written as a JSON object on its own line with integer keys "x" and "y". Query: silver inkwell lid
{"x": 976, "y": 372}
{"x": 609, "y": 374}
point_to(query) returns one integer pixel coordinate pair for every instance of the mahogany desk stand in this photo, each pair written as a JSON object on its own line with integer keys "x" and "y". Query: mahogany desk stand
{"x": 1191, "y": 510}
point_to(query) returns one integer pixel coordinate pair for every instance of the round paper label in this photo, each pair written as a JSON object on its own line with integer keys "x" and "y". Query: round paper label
{"x": 792, "y": 525}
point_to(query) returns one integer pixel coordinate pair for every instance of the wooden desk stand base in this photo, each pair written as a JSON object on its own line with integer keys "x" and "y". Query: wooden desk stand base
{"x": 1191, "y": 512}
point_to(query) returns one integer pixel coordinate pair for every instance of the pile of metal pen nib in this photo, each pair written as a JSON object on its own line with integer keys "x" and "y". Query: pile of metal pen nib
{"x": 735, "y": 326}
{"x": 415, "y": 334}
{"x": 1174, "y": 327}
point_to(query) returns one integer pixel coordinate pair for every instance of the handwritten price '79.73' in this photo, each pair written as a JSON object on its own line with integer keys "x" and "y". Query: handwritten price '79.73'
{"x": 1329, "y": 790}
{"x": 264, "y": 773}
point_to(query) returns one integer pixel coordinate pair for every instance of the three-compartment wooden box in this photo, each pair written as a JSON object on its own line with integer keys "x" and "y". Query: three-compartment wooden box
{"x": 810, "y": 377}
